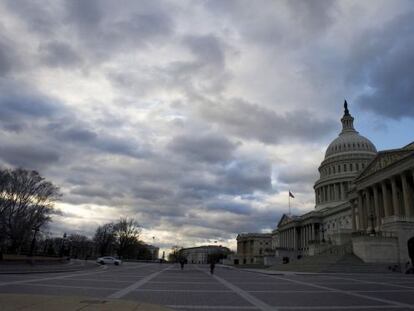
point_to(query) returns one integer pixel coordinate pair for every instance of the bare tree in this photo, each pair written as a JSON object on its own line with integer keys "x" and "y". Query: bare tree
{"x": 104, "y": 239}
{"x": 127, "y": 232}
{"x": 80, "y": 246}
{"x": 26, "y": 203}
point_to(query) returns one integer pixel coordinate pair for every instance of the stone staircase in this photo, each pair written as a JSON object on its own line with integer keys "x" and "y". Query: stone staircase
{"x": 337, "y": 259}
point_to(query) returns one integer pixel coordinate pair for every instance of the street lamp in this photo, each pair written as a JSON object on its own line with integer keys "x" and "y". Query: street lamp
{"x": 32, "y": 246}
{"x": 153, "y": 248}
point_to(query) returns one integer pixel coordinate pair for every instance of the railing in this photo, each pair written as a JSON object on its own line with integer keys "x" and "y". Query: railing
{"x": 391, "y": 219}
{"x": 337, "y": 249}
{"x": 382, "y": 234}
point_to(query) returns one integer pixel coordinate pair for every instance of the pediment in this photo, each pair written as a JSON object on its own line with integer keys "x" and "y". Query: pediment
{"x": 385, "y": 159}
{"x": 284, "y": 220}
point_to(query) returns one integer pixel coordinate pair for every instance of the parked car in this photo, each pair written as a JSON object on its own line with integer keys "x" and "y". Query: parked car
{"x": 109, "y": 260}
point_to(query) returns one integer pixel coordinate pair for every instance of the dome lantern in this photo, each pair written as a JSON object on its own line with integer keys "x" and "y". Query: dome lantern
{"x": 347, "y": 121}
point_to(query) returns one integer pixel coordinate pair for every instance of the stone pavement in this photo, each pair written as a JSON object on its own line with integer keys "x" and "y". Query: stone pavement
{"x": 25, "y": 268}
{"x": 228, "y": 289}
{"x": 12, "y": 302}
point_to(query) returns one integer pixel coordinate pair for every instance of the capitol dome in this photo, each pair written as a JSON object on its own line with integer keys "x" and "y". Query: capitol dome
{"x": 350, "y": 141}
{"x": 345, "y": 157}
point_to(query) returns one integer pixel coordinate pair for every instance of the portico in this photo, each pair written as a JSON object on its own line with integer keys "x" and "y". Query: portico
{"x": 382, "y": 195}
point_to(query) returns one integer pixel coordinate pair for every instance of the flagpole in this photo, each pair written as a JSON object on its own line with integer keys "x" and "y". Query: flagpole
{"x": 289, "y": 202}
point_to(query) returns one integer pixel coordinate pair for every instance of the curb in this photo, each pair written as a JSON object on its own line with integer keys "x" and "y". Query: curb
{"x": 53, "y": 271}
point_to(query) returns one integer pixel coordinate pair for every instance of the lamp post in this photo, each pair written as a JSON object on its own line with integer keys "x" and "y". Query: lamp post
{"x": 32, "y": 246}
{"x": 62, "y": 246}
{"x": 153, "y": 248}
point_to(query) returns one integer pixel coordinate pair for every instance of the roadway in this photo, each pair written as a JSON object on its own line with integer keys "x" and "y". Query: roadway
{"x": 228, "y": 289}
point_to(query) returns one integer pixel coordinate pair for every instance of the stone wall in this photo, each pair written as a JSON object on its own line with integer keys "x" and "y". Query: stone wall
{"x": 375, "y": 249}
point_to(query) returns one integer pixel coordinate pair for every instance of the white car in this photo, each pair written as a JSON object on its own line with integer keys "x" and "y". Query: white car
{"x": 109, "y": 260}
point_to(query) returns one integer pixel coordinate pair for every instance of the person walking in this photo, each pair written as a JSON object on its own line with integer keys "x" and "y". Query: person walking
{"x": 212, "y": 266}
{"x": 182, "y": 262}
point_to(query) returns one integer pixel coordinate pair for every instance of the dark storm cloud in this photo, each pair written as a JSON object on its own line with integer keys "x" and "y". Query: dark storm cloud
{"x": 282, "y": 23}
{"x": 232, "y": 207}
{"x": 87, "y": 14}
{"x": 382, "y": 60}
{"x": 32, "y": 156}
{"x": 208, "y": 148}
{"x": 73, "y": 131}
{"x": 6, "y": 59}
{"x": 21, "y": 105}
{"x": 39, "y": 16}
{"x": 252, "y": 121}
{"x": 207, "y": 48}
{"x": 298, "y": 175}
{"x": 104, "y": 33}
{"x": 59, "y": 54}
{"x": 96, "y": 191}
{"x": 239, "y": 177}
{"x": 152, "y": 192}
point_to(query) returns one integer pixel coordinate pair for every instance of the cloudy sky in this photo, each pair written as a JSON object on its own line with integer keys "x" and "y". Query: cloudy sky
{"x": 196, "y": 117}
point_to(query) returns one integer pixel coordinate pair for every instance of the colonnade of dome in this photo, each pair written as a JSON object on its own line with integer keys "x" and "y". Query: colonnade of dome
{"x": 345, "y": 157}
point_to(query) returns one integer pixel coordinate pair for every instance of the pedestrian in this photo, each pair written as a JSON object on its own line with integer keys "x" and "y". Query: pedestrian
{"x": 182, "y": 262}
{"x": 212, "y": 266}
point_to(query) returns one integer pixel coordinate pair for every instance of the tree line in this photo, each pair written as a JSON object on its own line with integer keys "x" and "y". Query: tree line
{"x": 26, "y": 208}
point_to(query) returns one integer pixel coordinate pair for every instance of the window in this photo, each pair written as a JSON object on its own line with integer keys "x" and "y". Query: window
{"x": 351, "y": 167}
{"x": 357, "y": 166}
{"x": 344, "y": 167}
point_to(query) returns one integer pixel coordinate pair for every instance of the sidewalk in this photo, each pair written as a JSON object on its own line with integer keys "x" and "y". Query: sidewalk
{"x": 73, "y": 265}
{"x": 267, "y": 271}
{"x": 12, "y": 302}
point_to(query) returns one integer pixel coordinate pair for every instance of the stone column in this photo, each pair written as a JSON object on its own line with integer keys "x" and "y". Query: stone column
{"x": 336, "y": 188}
{"x": 306, "y": 235}
{"x": 386, "y": 199}
{"x": 353, "y": 216}
{"x": 313, "y": 232}
{"x": 395, "y": 203}
{"x": 368, "y": 210}
{"x": 295, "y": 240}
{"x": 328, "y": 194}
{"x": 360, "y": 214}
{"x": 376, "y": 207}
{"x": 407, "y": 196}
{"x": 342, "y": 191}
{"x": 317, "y": 196}
{"x": 287, "y": 238}
{"x": 303, "y": 236}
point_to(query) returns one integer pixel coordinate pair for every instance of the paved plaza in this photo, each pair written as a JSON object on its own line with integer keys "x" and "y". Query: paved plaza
{"x": 228, "y": 289}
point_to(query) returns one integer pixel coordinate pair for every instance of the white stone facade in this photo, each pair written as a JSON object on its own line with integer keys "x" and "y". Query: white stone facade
{"x": 362, "y": 198}
{"x": 200, "y": 254}
{"x": 253, "y": 247}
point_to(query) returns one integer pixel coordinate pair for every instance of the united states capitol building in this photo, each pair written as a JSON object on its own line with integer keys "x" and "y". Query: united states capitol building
{"x": 364, "y": 204}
